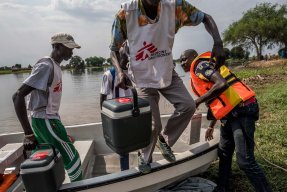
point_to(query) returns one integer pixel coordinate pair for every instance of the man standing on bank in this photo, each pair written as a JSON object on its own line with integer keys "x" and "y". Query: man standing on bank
{"x": 45, "y": 88}
{"x": 234, "y": 104}
{"x": 150, "y": 27}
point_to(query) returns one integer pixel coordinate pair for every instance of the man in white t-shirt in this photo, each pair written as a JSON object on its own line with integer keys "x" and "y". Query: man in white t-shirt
{"x": 110, "y": 90}
{"x": 44, "y": 85}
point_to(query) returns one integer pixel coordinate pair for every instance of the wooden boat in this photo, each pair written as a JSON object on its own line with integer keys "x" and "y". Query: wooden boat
{"x": 101, "y": 165}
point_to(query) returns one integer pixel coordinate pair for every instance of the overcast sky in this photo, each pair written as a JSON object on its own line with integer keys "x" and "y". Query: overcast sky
{"x": 27, "y": 25}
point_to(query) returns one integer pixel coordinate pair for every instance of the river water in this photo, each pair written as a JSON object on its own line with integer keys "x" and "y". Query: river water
{"x": 80, "y": 99}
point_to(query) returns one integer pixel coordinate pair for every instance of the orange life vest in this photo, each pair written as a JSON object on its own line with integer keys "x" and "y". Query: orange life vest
{"x": 221, "y": 105}
{"x": 8, "y": 180}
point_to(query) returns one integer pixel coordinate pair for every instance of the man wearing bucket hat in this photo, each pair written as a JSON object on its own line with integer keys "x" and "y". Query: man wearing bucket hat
{"x": 44, "y": 87}
{"x": 150, "y": 27}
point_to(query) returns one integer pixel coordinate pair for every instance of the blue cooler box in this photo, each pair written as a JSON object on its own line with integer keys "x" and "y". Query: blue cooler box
{"x": 126, "y": 123}
{"x": 43, "y": 171}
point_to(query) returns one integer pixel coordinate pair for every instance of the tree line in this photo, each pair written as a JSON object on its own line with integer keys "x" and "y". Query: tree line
{"x": 264, "y": 26}
{"x": 76, "y": 62}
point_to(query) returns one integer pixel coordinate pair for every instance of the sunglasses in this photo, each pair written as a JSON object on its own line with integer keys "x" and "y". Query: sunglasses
{"x": 183, "y": 59}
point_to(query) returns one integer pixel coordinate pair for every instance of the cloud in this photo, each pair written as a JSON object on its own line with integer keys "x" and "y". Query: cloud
{"x": 26, "y": 11}
{"x": 15, "y": 7}
{"x": 90, "y": 10}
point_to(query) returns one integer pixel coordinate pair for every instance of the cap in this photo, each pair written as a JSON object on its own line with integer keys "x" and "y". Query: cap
{"x": 65, "y": 39}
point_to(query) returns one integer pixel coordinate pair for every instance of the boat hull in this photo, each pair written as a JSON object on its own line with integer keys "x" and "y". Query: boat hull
{"x": 163, "y": 173}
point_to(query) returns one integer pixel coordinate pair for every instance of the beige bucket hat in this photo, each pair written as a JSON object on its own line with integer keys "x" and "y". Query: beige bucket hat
{"x": 65, "y": 39}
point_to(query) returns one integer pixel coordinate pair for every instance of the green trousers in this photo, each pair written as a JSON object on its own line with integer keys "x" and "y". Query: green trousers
{"x": 53, "y": 132}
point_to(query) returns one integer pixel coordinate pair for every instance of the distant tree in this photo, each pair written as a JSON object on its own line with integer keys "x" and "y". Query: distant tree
{"x": 109, "y": 60}
{"x": 283, "y": 53}
{"x": 77, "y": 62}
{"x": 68, "y": 66}
{"x": 29, "y": 66}
{"x": 100, "y": 61}
{"x": 227, "y": 53}
{"x": 258, "y": 28}
{"x": 280, "y": 37}
{"x": 88, "y": 61}
{"x": 95, "y": 61}
{"x": 246, "y": 55}
{"x": 5, "y": 68}
{"x": 19, "y": 66}
{"x": 237, "y": 52}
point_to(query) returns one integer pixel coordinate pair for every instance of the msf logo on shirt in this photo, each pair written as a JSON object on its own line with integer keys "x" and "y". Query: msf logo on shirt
{"x": 58, "y": 87}
{"x": 145, "y": 52}
{"x": 149, "y": 51}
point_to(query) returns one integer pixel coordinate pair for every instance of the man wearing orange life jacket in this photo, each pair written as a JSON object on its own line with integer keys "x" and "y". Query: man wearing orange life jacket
{"x": 233, "y": 103}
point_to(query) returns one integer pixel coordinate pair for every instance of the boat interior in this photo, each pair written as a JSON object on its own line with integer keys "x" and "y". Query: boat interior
{"x": 101, "y": 165}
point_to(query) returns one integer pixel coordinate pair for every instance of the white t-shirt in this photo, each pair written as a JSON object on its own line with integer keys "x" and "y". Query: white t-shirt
{"x": 40, "y": 102}
{"x": 106, "y": 88}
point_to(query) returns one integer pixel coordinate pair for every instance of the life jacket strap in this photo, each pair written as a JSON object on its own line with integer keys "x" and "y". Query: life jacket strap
{"x": 247, "y": 102}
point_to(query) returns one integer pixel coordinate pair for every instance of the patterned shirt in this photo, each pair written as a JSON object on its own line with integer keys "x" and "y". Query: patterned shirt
{"x": 186, "y": 15}
{"x": 204, "y": 70}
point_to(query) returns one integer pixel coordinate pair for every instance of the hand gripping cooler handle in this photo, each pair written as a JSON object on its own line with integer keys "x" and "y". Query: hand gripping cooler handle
{"x": 135, "y": 111}
{"x": 51, "y": 146}
{"x": 44, "y": 145}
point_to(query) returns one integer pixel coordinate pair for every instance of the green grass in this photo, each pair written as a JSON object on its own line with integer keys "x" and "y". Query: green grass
{"x": 270, "y": 135}
{"x": 251, "y": 72}
{"x": 3, "y": 72}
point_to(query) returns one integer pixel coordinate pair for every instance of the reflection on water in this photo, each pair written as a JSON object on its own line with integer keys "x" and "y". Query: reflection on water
{"x": 80, "y": 100}
{"x": 92, "y": 70}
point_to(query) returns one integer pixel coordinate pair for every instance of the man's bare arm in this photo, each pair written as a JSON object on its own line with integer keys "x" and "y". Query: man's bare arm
{"x": 212, "y": 29}
{"x": 217, "y": 50}
{"x": 20, "y": 107}
{"x": 219, "y": 86}
{"x": 115, "y": 57}
{"x": 123, "y": 79}
{"x": 102, "y": 99}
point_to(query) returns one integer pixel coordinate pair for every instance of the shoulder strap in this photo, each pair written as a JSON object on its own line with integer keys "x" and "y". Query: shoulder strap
{"x": 113, "y": 72}
{"x": 117, "y": 91}
{"x": 51, "y": 77}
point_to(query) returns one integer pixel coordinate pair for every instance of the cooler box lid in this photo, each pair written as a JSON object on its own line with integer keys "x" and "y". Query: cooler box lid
{"x": 43, "y": 158}
{"x": 122, "y": 107}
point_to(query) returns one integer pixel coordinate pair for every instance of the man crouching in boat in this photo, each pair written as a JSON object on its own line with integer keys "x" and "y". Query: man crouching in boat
{"x": 45, "y": 88}
{"x": 234, "y": 104}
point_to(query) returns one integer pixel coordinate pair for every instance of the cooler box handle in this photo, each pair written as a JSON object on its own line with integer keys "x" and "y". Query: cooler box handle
{"x": 136, "y": 110}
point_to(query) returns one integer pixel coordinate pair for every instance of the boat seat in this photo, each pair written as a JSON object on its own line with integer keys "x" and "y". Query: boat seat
{"x": 85, "y": 150}
{"x": 9, "y": 154}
